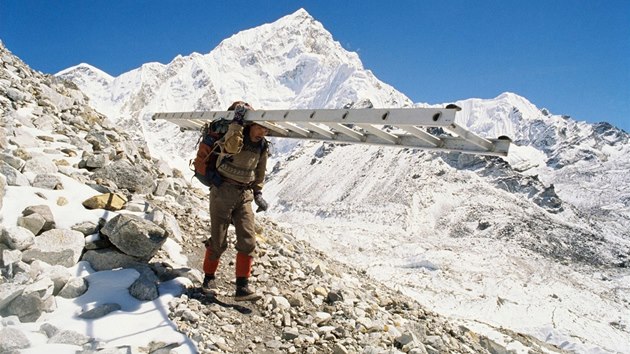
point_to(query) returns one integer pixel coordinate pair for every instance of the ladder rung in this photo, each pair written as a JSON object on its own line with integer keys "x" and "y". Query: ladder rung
{"x": 421, "y": 134}
{"x": 380, "y": 133}
{"x": 470, "y": 136}
{"x": 349, "y": 132}
{"x": 294, "y": 128}
{"x": 321, "y": 130}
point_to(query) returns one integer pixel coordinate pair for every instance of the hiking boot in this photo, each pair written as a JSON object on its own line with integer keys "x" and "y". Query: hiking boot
{"x": 209, "y": 286}
{"x": 243, "y": 292}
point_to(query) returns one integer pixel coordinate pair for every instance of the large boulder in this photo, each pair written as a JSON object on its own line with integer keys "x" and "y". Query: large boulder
{"x": 107, "y": 259}
{"x": 135, "y": 236}
{"x": 35, "y": 299}
{"x": 126, "y": 175}
{"x": 17, "y": 237}
{"x": 12, "y": 340}
{"x": 57, "y": 246}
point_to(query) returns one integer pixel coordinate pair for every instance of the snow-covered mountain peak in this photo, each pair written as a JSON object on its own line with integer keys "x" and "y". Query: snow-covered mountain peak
{"x": 87, "y": 69}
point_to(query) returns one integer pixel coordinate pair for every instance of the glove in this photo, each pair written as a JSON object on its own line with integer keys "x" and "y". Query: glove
{"x": 262, "y": 204}
{"x": 239, "y": 113}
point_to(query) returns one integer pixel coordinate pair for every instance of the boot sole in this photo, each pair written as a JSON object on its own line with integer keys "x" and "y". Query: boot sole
{"x": 252, "y": 297}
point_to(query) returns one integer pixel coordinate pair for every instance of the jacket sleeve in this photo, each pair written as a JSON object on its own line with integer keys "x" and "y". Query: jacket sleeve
{"x": 261, "y": 169}
{"x": 233, "y": 139}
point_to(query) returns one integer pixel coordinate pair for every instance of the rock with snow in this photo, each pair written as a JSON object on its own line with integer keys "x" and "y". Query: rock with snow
{"x": 35, "y": 299}
{"x": 13, "y": 177}
{"x": 69, "y": 337}
{"x": 12, "y": 340}
{"x": 135, "y": 236}
{"x": 45, "y": 212}
{"x": 126, "y": 175}
{"x": 99, "y": 311}
{"x": 33, "y": 222}
{"x": 73, "y": 288}
{"x": 47, "y": 181}
{"x": 57, "y": 246}
{"x": 107, "y": 258}
{"x": 17, "y": 237}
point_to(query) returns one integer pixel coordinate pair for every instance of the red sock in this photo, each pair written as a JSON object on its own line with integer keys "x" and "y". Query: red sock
{"x": 243, "y": 265}
{"x": 210, "y": 265}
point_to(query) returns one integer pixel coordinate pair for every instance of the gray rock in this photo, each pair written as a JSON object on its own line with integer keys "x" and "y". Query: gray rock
{"x": 280, "y": 302}
{"x": 69, "y": 337}
{"x": 135, "y": 236}
{"x": 45, "y": 212}
{"x": 163, "y": 169}
{"x": 98, "y": 139}
{"x": 34, "y": 223}
{"x": 46, "y": 122}
{"x": 99, "y": 311}
{"x": 11, "y": 256}
{"x": 13, "y": 161}
{"x": 40, "y": 164}
{"x": 4, "y": 142}
{"x": 144, "y": 288}
{"x": 12, "y": 340}
{"x": 290, "y": 333}
{"x": 13, "y": 176}
{"x": 8, "y": 292}
{"x": 23, "y": 139}
{"x": 58, "y": 274}
{"x": 126, "y": 175}
{"x": 167, "y": 222}
{"x": 3, "y": 187}
{"x": 107, "y": 259}
{"x": 17, "y": 237}
{"x": 160, "y": 189}
{"x": 48, "y": 329}
{"x": 33, "y": 301}
{"x": 86, "y": 228}
{"x": 16, "y": 95}
{"x": 97, "y": 161}
{"x": 47, "y": 181}
{"x": 74, "y": 288}
{"x": 53, "y": 245}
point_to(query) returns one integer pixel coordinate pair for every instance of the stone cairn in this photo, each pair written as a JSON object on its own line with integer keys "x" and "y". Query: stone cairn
{"x": 311, "y": 304}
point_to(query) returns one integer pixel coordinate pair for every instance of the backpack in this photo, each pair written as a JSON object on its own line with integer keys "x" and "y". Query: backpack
{"x": 206, "y": 162}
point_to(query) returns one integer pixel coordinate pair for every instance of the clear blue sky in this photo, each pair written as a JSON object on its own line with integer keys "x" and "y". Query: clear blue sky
{"x": 570, "y": 56}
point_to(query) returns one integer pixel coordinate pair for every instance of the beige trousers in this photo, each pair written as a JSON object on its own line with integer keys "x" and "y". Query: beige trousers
{"x": 231, "y": 204}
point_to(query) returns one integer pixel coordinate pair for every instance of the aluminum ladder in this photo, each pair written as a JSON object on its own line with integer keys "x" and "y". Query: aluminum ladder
{"x": 402, "y": 127}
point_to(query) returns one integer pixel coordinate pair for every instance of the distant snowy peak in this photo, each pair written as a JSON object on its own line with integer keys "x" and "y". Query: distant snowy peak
{"x": 516, "y": 117}
{"x": 84, "y": 70}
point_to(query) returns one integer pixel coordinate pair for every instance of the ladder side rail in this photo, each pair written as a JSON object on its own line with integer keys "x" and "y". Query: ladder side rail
{"x": 450, "y": 144}
{"x": 430, "y": 117}
{"x": 470, "y": 136}
{"x": 419, "y": 116}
